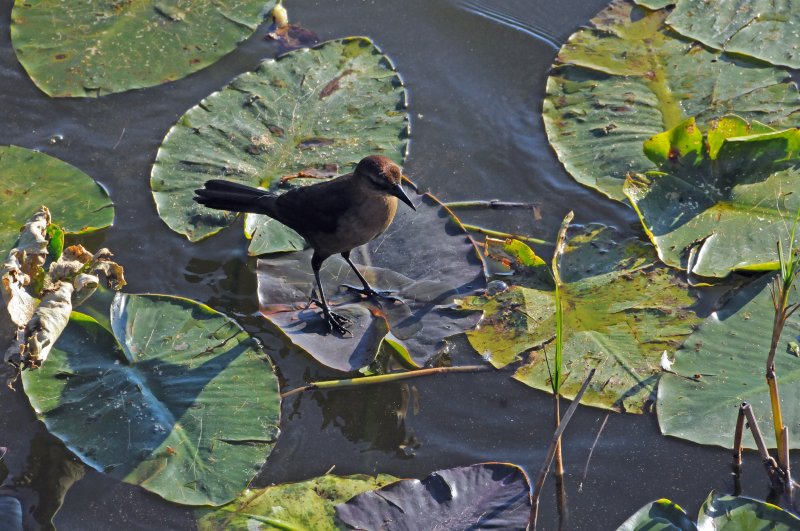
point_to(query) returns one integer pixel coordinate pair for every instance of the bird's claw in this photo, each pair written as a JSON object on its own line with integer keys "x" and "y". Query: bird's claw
{"x": 372, "y": 293}
{"x": 337, "y": 322}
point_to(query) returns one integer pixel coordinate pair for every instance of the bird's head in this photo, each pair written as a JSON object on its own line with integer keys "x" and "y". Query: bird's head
{"x": 379, "y": 172}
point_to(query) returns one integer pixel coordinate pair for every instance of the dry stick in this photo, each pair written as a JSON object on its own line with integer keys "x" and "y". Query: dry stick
{"x": 789, "y": 484}
{"x": 737, "y": 451}
{"x": 491, "y": 204}
{"x": 591, "y": 451}
{"x": 769, "y": 463}
{"x": 498, "y": 234}
{"x": 383, "y": 378}
{"x": 551, "y": 451}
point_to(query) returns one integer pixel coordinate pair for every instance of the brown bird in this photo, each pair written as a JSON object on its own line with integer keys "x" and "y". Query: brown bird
{"x": 334, "y": 216}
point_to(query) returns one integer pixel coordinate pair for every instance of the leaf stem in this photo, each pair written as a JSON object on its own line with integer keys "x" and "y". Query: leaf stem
{"x": 383, "y": 378}
{"x": 491, "y": 204}
{"x": 498, "y": 234}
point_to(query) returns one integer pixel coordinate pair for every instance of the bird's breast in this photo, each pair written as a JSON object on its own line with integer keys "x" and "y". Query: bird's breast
{"x": 361, "y": 223}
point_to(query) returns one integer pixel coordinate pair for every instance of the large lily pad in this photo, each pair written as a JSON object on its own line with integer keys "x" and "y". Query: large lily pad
{"x": 483, "y": 496}
{"x": 29, "y": 179}
{"x": 755, "y": 28}
{"x": 181, "y": 402}
{"x": 423, "y": 258}
{"x": 629, "y": 77}
{"x": 305, "y": 505}
{"x": 719, "y": 202}
{"x": 94, "y": 48}
{"x": 729, "y": 353}
{"x": 308, "y": 110}
{"x": 622, "y": 309}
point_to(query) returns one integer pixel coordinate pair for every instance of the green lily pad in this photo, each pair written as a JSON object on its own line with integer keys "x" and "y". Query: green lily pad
{"x": 728, "y": 352}
{"x": 660, "y": 515}
{"x": 629, "y": 77}
{"x": 755, "y": 28}
{"x": 482, "y": 496}
{"x": 719, "y": 203}
{"x": 29, "y": 179}
{"x": 622, "y": 309}
{"x": 423, "y": 258}
{"x": 733, "y": 513}
{"x": 94, "y": 48}
{"x": 306, "y": 111}
{"x": 179, "y": 400}
{"x": 304, "y": 505}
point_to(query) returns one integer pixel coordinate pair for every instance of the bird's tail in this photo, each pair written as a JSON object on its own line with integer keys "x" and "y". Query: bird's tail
{"x": 227, "y": 195}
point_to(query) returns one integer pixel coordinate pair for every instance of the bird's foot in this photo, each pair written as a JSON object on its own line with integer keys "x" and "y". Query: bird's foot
{"x": 335, "y": 321}
{"x": 369, "y": 292}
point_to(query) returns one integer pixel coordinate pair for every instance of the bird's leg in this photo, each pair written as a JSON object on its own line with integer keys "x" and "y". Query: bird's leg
{"x": 335, "y": 321}
{"x": 367, "y": 290}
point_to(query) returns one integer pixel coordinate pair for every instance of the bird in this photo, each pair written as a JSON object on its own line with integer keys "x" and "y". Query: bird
{"x": 334, "y": 216}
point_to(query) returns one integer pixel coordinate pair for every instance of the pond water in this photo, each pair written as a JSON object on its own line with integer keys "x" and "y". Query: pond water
{"x": 475, "y": 73}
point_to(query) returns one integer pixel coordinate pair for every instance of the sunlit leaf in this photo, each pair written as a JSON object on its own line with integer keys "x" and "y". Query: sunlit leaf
{"x": 719, "y": 202}
{"x": 628, "y": 77}
{"x": 308, "y": 110}
{"x": 727, "y": 358}
{"x": 29, "y": 179}
{"x": 482, "y": 496}
{"x": 181, "y": 401}
{"x": 621, "y": 308}
{"x": 423, "y": 259}
{"x": 93, "y": 48}
{"x": 660, "y": 515}
{"x": 732, "y": 513}
{"x": 305, "y": 505}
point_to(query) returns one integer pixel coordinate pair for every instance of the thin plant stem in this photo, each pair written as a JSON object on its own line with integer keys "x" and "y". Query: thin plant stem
{"x": 591, "y": 451}
{"x": 383, "y": 378}
{"x": 559, "y": 472}
{"x": 498, "y": 234}
{"x": 769, "y": 463}
{"x": 737, "y": 451}
{"x": 491, "y": 204}
{"x": 551, "y": 450}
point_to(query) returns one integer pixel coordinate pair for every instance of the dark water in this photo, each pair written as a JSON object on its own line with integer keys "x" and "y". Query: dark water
{"x": 475, "y": 73}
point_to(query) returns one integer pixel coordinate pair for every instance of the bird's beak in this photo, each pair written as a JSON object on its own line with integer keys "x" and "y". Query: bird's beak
{"x": 398, "y": 192}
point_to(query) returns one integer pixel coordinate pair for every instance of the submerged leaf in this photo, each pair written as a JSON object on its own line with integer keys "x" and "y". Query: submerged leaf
{"x": 311, "y": 108}
{"x": 181, "y": 401}
{"x": 29, "y": 179}
{"x": 657, "y": 516}
{"x": 726, "y": 358}
{"x": 719, "y": 202}
{"x": 422, "y": 259}
{"x": 98, "y": 48}
{"x": 628, "y": 77}
{"x": 304, "y": 505}
{"x": 482, "y": 496}
{"x": 621, "y": 310}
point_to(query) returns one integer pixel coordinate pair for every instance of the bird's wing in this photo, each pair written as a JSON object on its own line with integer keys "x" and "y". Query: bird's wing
{"x": 315, "y": 208}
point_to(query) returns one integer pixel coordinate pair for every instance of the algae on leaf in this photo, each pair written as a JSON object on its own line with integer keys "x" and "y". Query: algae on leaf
{"x": 93, "y": 48}
{"x": 720, "y": 201}
{"x": 621, "y": 310}
{"x": 628, "y": 77}
{"x": 179, "y": 400}
{"x": 29, "y": 179}
{"x": 304, "y": 505}
{"x": 309, "y": 110}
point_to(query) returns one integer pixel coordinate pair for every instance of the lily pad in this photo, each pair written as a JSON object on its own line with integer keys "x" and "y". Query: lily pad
{"x": 93, "y": 48}
{"x": 755, "y": 28}
{"x": 728, "y": 352}
{"x": 179, "y": 400}
{"x": 29, "y": 179}
{"x": 660, "y": 515}
{"x": 304, "y": 505}
{"x": 424, "y": 259}
{"x": 11, "y": 513}
{"x": 733, "y": 513}
{"x": 719, "y": 202}
{"x": 628, "y": 77}
{"x": 622, "y": 309}
{"x": 482, "y": 496}
{"x": 308, "y": 110}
